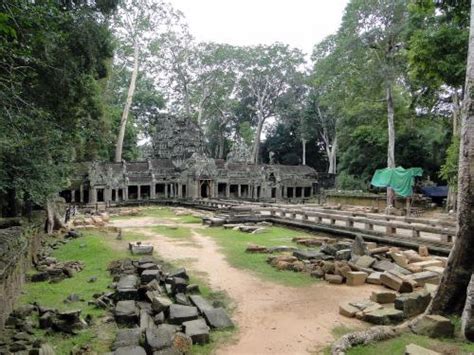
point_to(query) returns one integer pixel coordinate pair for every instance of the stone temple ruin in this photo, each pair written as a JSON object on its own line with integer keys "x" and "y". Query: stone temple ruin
{"x": 180, "y": 169}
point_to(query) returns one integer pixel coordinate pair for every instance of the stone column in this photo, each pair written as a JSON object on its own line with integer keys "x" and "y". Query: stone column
{"x": 153, "y": 190}
{"x": 227, "y": 190}
{"x": 139, "y": 188}
{"x": 73, "y": 196}
{"x": 239, "y": 191}
{"x": 166, "y": 190}
{"x": 93, "y": 195}
{"x": 81, "y": 193}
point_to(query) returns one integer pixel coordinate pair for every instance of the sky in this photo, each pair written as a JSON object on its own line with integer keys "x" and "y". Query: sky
{"x": 299, "y": 23}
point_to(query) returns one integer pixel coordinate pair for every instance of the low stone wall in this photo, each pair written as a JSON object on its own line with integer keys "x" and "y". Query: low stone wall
{"x": 17, "y": 249}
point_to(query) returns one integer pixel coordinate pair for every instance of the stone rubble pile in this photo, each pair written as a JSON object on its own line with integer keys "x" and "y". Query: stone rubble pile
{"x": 49, "y": 268}
{"x": 159, "y": 311}
{"x": 97, "y": 219}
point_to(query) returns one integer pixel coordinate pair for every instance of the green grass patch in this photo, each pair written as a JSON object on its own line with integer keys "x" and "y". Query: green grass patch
{"x": 234, "y": 243}
{"x": 189, "y": 219}
{"x": 397, "y": 346}
{"x": 92, "y": 249}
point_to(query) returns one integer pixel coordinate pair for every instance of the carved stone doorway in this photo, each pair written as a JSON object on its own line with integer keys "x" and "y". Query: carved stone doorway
{"x": 205, "y": 188}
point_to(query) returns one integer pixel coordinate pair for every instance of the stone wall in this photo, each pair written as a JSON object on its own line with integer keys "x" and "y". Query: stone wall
{"x": 16, "y": 253}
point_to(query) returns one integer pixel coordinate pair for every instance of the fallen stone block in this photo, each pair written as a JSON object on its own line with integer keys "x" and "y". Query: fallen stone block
{"x": 384, "y": 316}
{"x": 423, "y": 251}
{"x": 421, "y": 278}
{"x": 374, "y": 278}
{"x": 126, "y": 312}
{"x": 396, "y": 283}
{"x": 217, "y": 318}
{"x": 307, "y": 254}
{"x": 179, "y": 314}
{"x": 413, "y": 303}
{"x": 161, "y": 303}
{"x": 427, "y": 263}
{"x": 127, "y": 337}
{"x": 412, "y": 349}
{"x": 130, "y": 350}
{"x": 365, "y": 261}
{"x": 356, "y": 278}
{"x": 383, "y": 296}
{"x": 347, "y": 310}
{"x": 256, "y": 249}
{"x": 146, "y": 321}
{"x": 181, "y": 298}
{"x": 200, "y": 302}
{"x": 181, "y": 273}
{"x": 437, "y": 269}
{"x": 149, "y": 275}
{"x": 358, "y": 247}
{"x": 344, "y": 254}
{"x": 138, "y": 248}
{"x": 198, "y": 330}
{"x": 333, "y": 279}
{"x": 434, "y": 326}
{"x": 386, "y": 265}
{"x": 282, "y": 249}
{"x": 159, "y": 338}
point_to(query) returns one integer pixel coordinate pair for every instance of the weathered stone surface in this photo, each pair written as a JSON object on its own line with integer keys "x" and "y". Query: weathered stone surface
{"x": 344, "y": 254}
{"x": 179, "y": 314}
{"x": 130, "y": 350}
{"x": 182, "y": 343}
{"x": 437, "y": 269}
{"x": 333, "y": 279}
{"x": 395, "y": 283}
{"x": 386, "y": 265}
{"x": 384, "y": 316}
{"x": 181, "y": 298}
{"x": 374, "y": 278}
{"x": 413, "y": 303}
{"x": 421, "y": 278}
{"x": 159, "y": 338}
{"x": 413, "y": 349}
{"x": 427, "y": 263}
{"x": 146, "y": 321}
{"x": 282, "y": 249}
{"x": 365, "y": 261}
{"x": 160, "y": 303}
{"x": 178, "y": 285}
{"x": 198, "y": 330}
{"x": 434, "y": 326}
{"x": 307, "y": 254}
{"x": 126, "y": 312}
{"x": 217, "y": 318}
{"x": 149, "y": 275}
{"x": 181, "y": 273}
{"x": 138, "y": 248}
{"x": 127, "y": 337}
{"x": 347, "y": 310}
{"x": 383, "y": 296}
{"x": 329, "y": 249}
{"x": 356, "y": 278}
{"x": 127, "y": 287}
{"x": 467, "y": 319}
{"x": 358, "y": 247}
{"x": 200, "y": 302}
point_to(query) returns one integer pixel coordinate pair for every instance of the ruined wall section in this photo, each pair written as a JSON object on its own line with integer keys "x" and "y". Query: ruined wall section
{"x": 16, "y": 253}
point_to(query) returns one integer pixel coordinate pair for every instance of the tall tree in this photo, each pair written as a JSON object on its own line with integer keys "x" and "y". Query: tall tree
{"x": 268, "y": 74}
{"x": 451, "y": 293}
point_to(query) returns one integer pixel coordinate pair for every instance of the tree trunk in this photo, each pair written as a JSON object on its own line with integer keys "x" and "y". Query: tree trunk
{"x": 128, "y": 103}
{"x": 53, "y": 218}
{"x": 451, "y": 200}
{"x": 256, "y": 143}
{"x": 221, "y": 145}
{"x": 303, "y": 141}
{"x": 332, "y": 157}
{"x": 451, "y": 293}
{"x": 391, "y": 141}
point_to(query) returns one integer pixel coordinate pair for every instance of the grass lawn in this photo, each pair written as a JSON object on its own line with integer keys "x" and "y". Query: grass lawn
{"x": 234, "y": 243}
{"x": 172, "y": 232}
{"x": 161, "y": 212}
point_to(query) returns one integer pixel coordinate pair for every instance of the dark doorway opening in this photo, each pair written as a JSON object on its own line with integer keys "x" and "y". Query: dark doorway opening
{"x": 205, "y": 189}
{"x": 183, "y": 191}
{"x": 66, "y": 194}
{"x": 120, "y": 194}
{"x": 259, "y": 191}
{"x": 244, "y": 191}
{"x": 160, "y": 190}
{"x": 133, "y": 192}
{"x": 299, "y": 192}
{"x": 307, "y": 192}
{"x": 221, "y": 189}
{"x": 145, "y": 192}
{"x": 114, "y": 195}
{"x": 289, "y": 192}
{"x": 234, "y": 191}
{"x": 100, "y": 195}
{"x": 274, "y": 192}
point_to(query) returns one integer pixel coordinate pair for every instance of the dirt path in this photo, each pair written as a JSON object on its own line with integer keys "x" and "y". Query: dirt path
{"x": 272, "y": 318}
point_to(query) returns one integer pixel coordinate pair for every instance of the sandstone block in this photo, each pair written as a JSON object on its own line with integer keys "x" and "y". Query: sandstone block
{"x": 356, "y": 278}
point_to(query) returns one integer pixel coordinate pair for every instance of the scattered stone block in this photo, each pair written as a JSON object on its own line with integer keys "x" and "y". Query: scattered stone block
{"x": 200, "y": 302}
{"x": 181, "y": 298}
{"x": 434, "y": 326}
{"x": 412, "y": 349}
{"x": 126, "y": 338}
{"x": 127, "y": 287}
{"x": 427, "y": 263}
{"x": 138, "y": 248}
{"x": 179, "y": 314}
{"x": 374, "y": 278}
{"x": 396, "y": 283}
{"x": 358, "y": 247}
{"x": 356, "y": 278}
{"x": 437, "y": 269}
{"x": 344, "y": 254}
{"x": 182, "y": 344}
{"x": 256, "y": 249}
{"x": 365, "y": 261}
{"x": 333, "y": 279}
{"x": 347, "y": 310}
{"x": 421, "y": 278}
{"x": 149, "y": 275}
{"x": 181, "y": 273}
{"x": 307, "y": 254}
{"x": 413, "y": 303}
{"x": 383, "y": 296}
{"x": 423, "y": 251}
{"x": 126, "y": 312}
{"x": 217, "y": 318}
{"x": 159, "y": 338}
{"x": 146, "y": 321}
{"x": 198, "y": 330}
{"x": 282, "y": 249}
{"x": 386, "y": 265}
{"x": 161, "y": 303}
{"x": 329, "y": 249}
{"x": 384, "y": 316}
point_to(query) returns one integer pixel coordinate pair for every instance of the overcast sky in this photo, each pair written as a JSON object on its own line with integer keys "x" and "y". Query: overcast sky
{"x": 299, "y": 23}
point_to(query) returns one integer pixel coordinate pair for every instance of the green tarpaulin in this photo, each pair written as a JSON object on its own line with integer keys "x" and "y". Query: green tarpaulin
{"x": 399, "y": 179}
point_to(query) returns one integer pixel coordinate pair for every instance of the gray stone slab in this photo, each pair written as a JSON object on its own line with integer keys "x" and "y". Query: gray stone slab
{"x": 198, "y": 330}
{"x": 149, "y": 275}
{"x": 200, "y": 302}
{"x": 307, "y": 254}
{"x": 217, "y": 318}
{"x": 126, "y": 312}
{"x": 159, "y": 338}
{"x": 386, "y": 265}
{"x": 130, "y": 350}
{"x": 413, "y": 303}
{"x": 127, "y": 337}
{"x": 179, "y": 314}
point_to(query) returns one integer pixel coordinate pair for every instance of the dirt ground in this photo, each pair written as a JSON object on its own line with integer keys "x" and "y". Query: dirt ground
{"x": 271, "y": 318}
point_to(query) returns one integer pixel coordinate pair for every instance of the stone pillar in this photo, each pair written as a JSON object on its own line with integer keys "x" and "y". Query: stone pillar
{"x": 153, "y": 190}
{"x": 239, "y": 191}
{"x": 81, "y": 193}
{"x": 93, "y": 195}
{"x": 227, "y": 190}
{"x": 139, "y": 192}
{"x": 125, "y": 193}
{"x": 73, "y": 196}
{"x": 166, "y": 190}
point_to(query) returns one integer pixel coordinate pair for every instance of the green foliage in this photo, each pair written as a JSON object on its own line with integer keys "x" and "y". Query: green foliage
{"x": 449, "y": 170}
{"x": 344, "y": 181}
